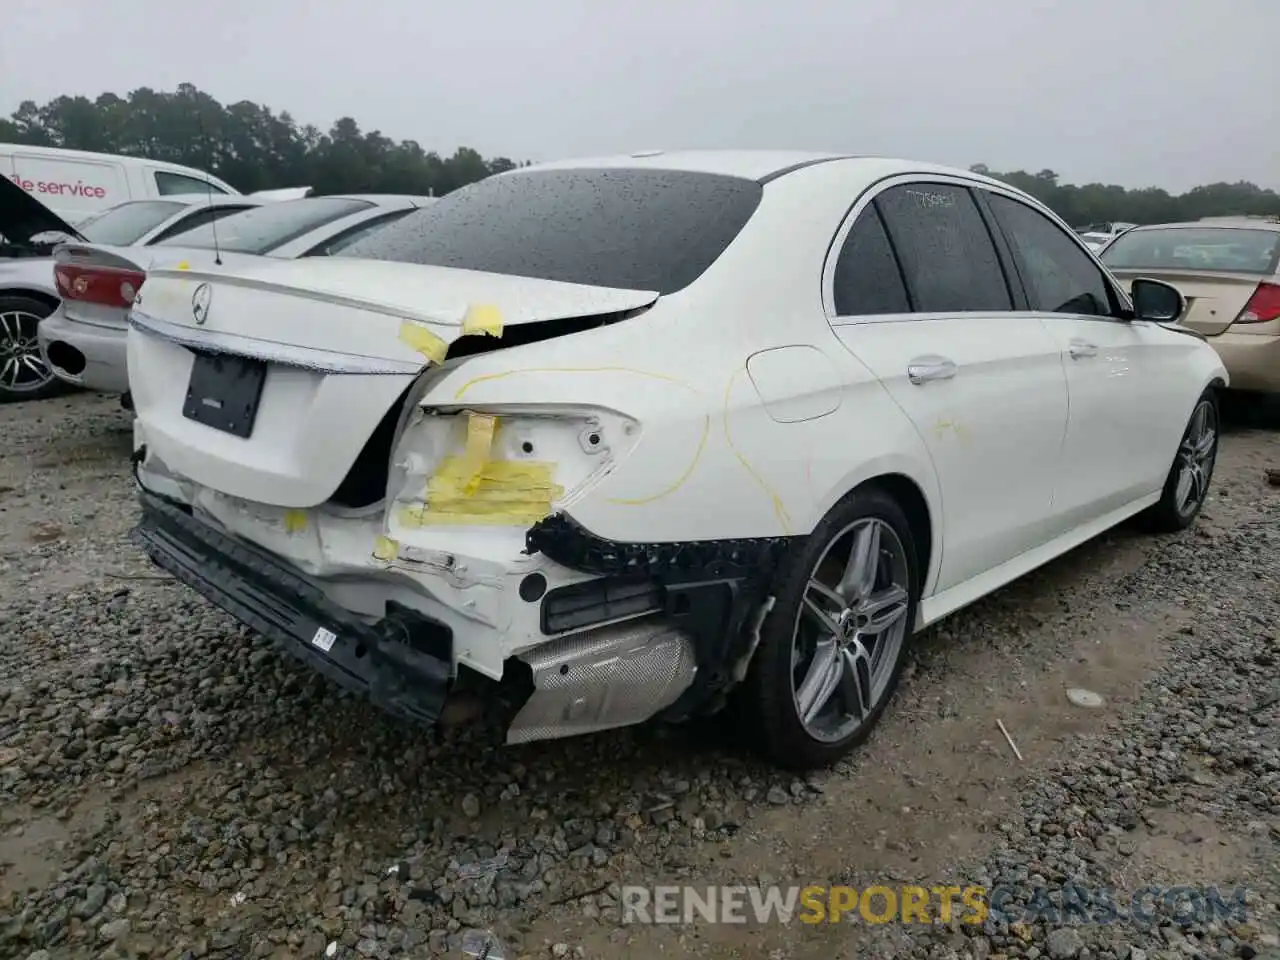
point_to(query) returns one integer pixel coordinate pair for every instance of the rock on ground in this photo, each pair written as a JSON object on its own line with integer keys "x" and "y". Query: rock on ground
{"x": 171, "y": 786}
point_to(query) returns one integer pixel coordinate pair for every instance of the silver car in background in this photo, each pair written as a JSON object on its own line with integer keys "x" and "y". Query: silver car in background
{"x": 83, "y": 340}
{"x": 28, "y": 233}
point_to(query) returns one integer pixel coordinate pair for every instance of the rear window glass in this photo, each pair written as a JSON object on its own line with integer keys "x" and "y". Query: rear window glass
{"x": 630, "y": 229}
{"x": 124, "y": 224}
{"x": 1195, "y": 248}
{"x": 261, "y": 229}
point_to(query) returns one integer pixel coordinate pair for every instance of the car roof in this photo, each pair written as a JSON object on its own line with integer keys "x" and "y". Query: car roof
{"x": 1217, "y": 223}
{"x": 192, "y": 199}
{"x": 760, "y": 165}
{"x": 751, "y": 164}
{"x": 382, "y": 199}
{"x": 69, "y": 153}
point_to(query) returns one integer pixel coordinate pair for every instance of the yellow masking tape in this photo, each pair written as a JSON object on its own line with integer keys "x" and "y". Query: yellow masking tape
{"x": 184, "y": 265}
{"x": 480, "y": 430}
{"x": 384, "y": 548}
{"x": 483, "y": 318}
{"x": 503, "y": 493}
{"x": 424, "y": 341}
{"x": 294, "y": 520}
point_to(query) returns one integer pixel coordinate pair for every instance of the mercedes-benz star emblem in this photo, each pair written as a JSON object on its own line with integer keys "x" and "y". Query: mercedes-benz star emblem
{"x": 200, "y": 302}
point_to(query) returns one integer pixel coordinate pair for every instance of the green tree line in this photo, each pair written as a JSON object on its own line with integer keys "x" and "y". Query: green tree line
{"x": 254, "y": 148}
{"x": 246, "y": 144}
{"x": 1102, "y": 202}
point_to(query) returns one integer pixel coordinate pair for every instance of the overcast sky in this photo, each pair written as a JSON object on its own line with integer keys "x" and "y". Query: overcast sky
{"x": 1137, "y": 92}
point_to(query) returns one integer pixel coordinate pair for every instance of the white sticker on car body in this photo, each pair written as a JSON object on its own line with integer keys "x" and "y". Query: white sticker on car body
{"x": 324, "y": 639}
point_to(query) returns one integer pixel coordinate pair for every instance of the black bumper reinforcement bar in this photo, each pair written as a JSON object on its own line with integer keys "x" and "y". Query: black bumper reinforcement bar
{"x": 403, "y": 663}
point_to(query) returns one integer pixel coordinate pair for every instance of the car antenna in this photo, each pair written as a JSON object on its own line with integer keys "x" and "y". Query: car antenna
{"x": 208, "y": 162}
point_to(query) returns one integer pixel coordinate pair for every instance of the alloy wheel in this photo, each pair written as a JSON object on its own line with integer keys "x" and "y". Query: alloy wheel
{"x": 1196, "y": 455}
{"x": 849, "y": 630}
{"x": 22, "y": 367}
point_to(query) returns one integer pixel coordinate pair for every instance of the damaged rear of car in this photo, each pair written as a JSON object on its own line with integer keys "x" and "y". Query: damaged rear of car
{"x": 383, "y": 460}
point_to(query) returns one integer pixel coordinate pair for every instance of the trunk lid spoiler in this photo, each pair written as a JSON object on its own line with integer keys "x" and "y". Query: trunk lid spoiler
{"x": 400, "y": 313}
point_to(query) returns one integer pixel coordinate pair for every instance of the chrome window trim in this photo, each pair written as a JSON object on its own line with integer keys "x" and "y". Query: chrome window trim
{"x": 872, "y": 191}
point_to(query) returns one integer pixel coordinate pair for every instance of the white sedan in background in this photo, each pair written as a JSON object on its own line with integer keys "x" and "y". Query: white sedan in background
{"x": 636, "y": 437}
{"x": 83, "y": 340}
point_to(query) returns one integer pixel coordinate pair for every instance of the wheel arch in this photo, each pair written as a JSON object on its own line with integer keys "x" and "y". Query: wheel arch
{"x": 908, "y": 477}
{"x": 906, "y": 493}
{"x": 43, "y": 296}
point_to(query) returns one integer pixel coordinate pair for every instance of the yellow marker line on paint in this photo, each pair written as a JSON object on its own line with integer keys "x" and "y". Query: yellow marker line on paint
{"x": 702, "y": 443}
{"x": 511, "y": 373}
{"x": 779, "y": 509}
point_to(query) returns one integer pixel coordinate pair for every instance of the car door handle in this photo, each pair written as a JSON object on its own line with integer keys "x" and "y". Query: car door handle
{"x": 1079, "y": 348}
{"x": 922, "y": 369}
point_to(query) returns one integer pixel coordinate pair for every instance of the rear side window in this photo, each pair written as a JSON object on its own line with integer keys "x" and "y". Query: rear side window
{"x": 630, "y": 229}
{"x": 169, "y": 184}
{"x": 947, "y": 255}
{"x": 1059, "y": 277}
{"x": 260, "y": 230}
{"x": 1225, "y": 249}
{"x": 124, "y": 224}
{"x": 867, "y": 279}
{"x": 205, "y": 214}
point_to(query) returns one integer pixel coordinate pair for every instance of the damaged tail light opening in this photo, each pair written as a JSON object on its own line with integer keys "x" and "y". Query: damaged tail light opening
{"x": 1263, "y": 306}
{"x": 106, "y": 286}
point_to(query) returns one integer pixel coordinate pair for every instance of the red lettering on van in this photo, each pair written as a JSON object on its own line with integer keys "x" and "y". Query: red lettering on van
{"x": 58, "y": 188}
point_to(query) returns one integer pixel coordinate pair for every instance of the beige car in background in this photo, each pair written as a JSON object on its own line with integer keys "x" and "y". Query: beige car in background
{"x": 1227, "y": 270}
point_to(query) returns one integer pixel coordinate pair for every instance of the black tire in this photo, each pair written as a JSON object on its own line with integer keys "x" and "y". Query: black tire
{"x": 18, "y": 309}
{"x": 1174, "y": 512}
{"x": 767, "y": 700}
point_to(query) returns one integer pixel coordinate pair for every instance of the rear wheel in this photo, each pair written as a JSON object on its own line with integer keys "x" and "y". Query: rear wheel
{"x": 24, "y": 374}
{"x": 832, "y": 649}
{"x": 1187, "y": 484}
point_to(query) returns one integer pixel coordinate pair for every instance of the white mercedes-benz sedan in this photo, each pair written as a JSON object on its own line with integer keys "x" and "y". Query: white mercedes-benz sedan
{"x": 647, "y": 436}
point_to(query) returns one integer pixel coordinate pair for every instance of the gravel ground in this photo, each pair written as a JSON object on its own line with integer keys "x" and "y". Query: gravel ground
{"x": 172, "y": 787}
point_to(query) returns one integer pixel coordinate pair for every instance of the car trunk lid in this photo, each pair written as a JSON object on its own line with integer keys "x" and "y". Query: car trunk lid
{"x": 25, "y": 223}
{"x": 265, "y": 380}
{"x": 1214, "y": 299}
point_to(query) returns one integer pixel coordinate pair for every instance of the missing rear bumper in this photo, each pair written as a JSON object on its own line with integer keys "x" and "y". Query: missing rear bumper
{"x": 403, "y": 663}
{"x": 710, "y": 591}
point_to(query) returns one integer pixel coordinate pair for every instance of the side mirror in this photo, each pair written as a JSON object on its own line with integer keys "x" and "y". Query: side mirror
{"x": 1156, "y": 300}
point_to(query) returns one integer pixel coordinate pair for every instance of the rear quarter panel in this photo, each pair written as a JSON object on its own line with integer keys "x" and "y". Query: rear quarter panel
{"x": 711, "y": 463}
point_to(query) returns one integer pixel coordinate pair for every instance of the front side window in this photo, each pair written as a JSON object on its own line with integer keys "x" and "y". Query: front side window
{"x": 947, "y": 255}
{"x": 259, "y": 230}
{"x": 631, "y": 229}
{"x": 127, "y": 222}
{"x": 171, "y": 184}
{"x": 1058, "y": 276}
{"x": 867, "y": 279}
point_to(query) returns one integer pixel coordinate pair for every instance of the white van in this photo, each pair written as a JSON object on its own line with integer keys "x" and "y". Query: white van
{"x": 76, "y": 184}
